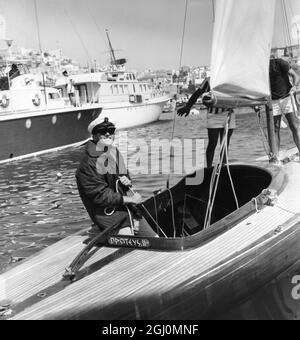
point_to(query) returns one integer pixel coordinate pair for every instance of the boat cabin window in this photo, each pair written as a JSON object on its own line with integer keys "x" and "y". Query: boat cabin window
{"x": 53, "y": 95}
{"x": 83, "y": 93}
{"x": 134, "y": 90}
{"x": 116, "y": 89}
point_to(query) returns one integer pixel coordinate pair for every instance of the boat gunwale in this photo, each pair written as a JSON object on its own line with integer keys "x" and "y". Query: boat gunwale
{"x": 31, "y": 114}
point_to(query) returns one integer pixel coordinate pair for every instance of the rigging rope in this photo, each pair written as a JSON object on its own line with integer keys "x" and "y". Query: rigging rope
{"x": 215, "y": 180}
{"x": 77, "y": 33}
{"x": 180, "y": 63}
{"x": 173, "y": 213}
{"x": 128, "y": 210}
{"x": 97, "y": 25}
{"x": 265, "y": 140}
{"x": 149, "y": 214}
{"x": 217, "y": 173}
{"x": 229, "y": 173}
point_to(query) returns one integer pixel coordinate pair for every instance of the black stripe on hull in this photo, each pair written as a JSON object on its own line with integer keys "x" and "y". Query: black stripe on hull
{"x": 24, "y": 136}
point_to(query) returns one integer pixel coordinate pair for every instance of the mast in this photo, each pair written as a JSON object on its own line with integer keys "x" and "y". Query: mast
{"x": 38, "y": 26}
{"x": 40, "y": 47}
{"x": 112, "y": 52}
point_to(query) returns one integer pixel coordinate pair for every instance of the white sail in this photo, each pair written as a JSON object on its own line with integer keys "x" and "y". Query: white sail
{"x": 241, "y": 48}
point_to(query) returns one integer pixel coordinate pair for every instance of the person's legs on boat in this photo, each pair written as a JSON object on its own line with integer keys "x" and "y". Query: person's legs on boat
{"x": 293, "y": 123}
{"x": 213, "y": 137}
{"x": 277, "y": 113}
{"x": 290, "y": 110}
{"x": 230, "y": 132}
{"x": 277, "y": 124}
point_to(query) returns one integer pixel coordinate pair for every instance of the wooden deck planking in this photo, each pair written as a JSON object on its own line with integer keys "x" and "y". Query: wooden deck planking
{"x": 141, "y": 286}
{"x": 164, "y": 270}
{"x": 46, "y": 271}
{"x": 39, "y": 271}
{"x": 96, "y": 296}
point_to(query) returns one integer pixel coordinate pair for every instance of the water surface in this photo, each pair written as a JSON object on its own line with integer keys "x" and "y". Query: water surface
{"x": 38, "y": 207}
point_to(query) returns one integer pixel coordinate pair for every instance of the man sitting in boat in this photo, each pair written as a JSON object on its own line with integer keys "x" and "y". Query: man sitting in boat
{"x": 103, "y": 182}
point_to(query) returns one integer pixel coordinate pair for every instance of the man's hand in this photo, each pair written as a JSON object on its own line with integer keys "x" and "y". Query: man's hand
{"x": 294, "y": 89}
{"x": 135, "y": 199}
{"x": 183, "y": 111}
{"x": 125, "y": 181}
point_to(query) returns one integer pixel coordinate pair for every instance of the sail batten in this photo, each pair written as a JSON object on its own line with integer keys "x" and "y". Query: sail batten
{"x": 242, "y": 41}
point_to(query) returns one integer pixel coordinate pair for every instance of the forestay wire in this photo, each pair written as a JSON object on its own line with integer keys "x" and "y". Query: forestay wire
{"x": 180, "y": 64}
{"x": 217, "y": 173}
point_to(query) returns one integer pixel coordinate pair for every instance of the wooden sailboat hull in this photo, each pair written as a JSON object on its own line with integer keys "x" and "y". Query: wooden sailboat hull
{"x": 212, "y": 280}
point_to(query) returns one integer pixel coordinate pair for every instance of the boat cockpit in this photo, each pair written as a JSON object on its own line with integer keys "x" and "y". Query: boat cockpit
{"x": 178, "y": 215}
{"x": 181, "y": 211}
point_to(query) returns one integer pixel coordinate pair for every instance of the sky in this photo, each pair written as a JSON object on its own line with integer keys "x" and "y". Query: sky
{"x": 146, "y": 32}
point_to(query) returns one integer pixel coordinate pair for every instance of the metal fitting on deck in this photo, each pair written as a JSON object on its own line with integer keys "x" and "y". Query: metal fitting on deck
{"x": 5, "y": 310}
{"x": 268, "y": 197}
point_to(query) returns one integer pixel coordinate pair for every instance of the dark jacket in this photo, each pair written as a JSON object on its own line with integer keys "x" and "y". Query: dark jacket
{"x": 98, "y": 190}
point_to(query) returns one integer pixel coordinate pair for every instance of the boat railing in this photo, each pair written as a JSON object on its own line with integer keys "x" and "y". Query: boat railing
{"x": 29, "y": 99}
